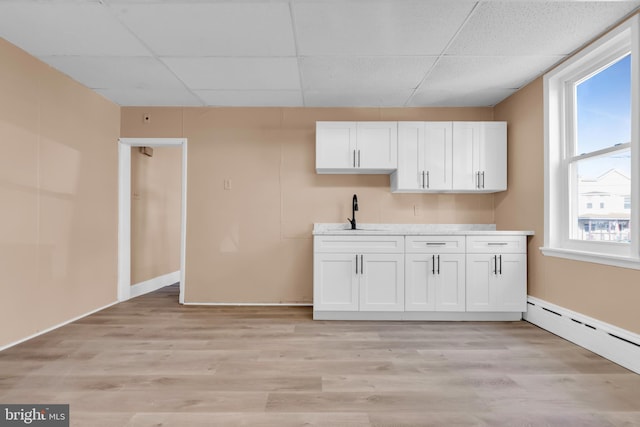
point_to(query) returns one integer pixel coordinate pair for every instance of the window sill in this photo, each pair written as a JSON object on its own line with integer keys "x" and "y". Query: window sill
{"x": 597, "y": 258}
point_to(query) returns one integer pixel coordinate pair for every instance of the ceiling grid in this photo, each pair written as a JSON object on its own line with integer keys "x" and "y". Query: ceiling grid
{"x": 311, "y": 53}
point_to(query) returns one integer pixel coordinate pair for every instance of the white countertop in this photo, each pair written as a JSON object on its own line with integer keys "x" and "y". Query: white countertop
{"x": 325, "y": 229}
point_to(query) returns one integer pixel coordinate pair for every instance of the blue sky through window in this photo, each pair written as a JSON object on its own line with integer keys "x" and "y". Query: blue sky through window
{"x": 604, "y": 116}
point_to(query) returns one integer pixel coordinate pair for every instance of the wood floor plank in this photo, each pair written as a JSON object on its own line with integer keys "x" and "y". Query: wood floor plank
{"x": 322, "y": 419}
{"x": 150, "y": 362}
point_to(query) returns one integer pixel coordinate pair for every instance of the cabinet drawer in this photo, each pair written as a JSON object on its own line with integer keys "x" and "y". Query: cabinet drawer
{"x": 360, "y": 244}
{"x": 435, "y": 244}
{"x": 497, "y": 244}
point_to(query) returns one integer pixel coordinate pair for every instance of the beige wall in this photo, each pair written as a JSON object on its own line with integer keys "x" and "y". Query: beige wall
{"x": 156, "y": 196}
{"x": 58, "y": 192}
{"x": 252, "y": 243}
{"x": 606, "y": 293}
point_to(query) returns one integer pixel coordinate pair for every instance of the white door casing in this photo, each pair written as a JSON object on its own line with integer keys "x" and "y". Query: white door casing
{"x": 124, "y": 209}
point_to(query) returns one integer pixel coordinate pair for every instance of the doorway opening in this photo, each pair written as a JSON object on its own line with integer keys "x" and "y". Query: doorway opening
{"x": 124, "y": 209}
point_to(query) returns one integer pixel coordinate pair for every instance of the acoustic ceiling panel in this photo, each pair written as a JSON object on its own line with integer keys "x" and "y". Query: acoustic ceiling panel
{"x": 409, "y": 27}
{"x": 237, "y": 73}
{"x": 211, "y": 29}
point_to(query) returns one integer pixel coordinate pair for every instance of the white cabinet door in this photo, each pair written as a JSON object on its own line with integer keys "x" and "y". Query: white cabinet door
{"x": 511, "y": 286}
{"x": 450, "y": 286}
{"x": 382, "y": 282}
{"x": 435, "y": 282}
{"x": 437, "y": 156}
{"x": 480, "y": 272}
{"x": 493, "y": 156}
{"x": 408, "y": 177}
{"x": 497, "y": 282}
{"x": 377, "y": 146}
{"x": 466, "y": 143}
{"x": 335, "y": 145}
{"x": 480, "y": 156}
{"x": 335, "y": 282}
{"x": 420, "y": 283}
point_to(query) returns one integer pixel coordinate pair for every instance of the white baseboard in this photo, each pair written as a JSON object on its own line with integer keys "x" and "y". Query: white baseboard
{"x": 154, "y": 284}
{"x": 253, "y": 304}
{"x": 59, "y": 325}
{"x": 613, "y": 343}
{"x": 439, "y": 316}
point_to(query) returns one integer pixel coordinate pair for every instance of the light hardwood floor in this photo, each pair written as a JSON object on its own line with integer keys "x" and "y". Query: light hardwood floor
{"x": 152, "y": 362}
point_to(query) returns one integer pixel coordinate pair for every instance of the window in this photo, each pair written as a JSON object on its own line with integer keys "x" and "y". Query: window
{"x": 592, "y": 153}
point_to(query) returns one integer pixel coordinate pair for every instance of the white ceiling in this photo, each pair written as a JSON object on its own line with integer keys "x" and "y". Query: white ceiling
{"x": 314, "y": 53}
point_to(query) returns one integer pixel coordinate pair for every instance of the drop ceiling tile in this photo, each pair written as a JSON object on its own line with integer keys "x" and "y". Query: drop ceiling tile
{"x": 108, "y": 72}
{"x": 213, "y": 29}
{"x": 409, "y": 27}
{"x": 364, "y": 73}
{"x": 251, "y": 98}
{"x": 151, "y": 97}
{"x": 77, "y": 28}
{"x": 344, "y": 98}
{"x": 473, "y": 72}
{"x": 535, "y": 27}
{"x": 459, "y": 98}
{"x": 237, "y": 73}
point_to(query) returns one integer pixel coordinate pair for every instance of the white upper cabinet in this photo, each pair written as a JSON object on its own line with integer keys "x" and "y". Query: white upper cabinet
{"x": 335, "y": 145}
{"x": 356, "y": 147}
{"x": 479, "y": 156}
{"x": 463, "y": 157}
{"x": 424, "y": 157}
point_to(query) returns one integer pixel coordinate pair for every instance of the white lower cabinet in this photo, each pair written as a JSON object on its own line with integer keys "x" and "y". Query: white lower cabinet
{"x": 435, "y": 269}
{"x": 434, "y": 282}
{"x": 358, "y": 273}
{"x": 496, "y": 274}
{"x": 479, "y": 277}
{"x": 497, "y": 282}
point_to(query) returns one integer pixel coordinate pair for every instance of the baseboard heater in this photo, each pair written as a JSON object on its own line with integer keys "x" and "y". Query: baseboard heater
{"x": 613, "y": 343}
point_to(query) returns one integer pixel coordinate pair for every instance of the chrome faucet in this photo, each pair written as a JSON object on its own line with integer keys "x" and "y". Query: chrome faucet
{"x": 354, "y": 208}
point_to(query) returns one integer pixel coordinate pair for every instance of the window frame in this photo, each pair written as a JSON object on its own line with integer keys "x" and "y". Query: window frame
{"x": 559, "y": 130}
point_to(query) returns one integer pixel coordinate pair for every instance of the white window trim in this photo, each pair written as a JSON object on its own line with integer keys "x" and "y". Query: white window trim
{"x": 556, "y": 186}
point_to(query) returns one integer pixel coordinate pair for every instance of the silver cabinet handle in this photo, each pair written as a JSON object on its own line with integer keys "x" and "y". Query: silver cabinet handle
{"x": 497, "y": 243}
{"x": 428, "y": 184}
{"x": 354, "y": 158}
{"x": 477, "y": 179}
{"x": 482, "y": 179}
{"x": 358, "y": 158}
{"x": 422, "y": 179}
{"x": 361, "y": 264}
{"x": 436, "y": 243}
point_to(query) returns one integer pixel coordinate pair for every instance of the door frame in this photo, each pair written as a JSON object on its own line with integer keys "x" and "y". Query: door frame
{"x": 124, "y": 209}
